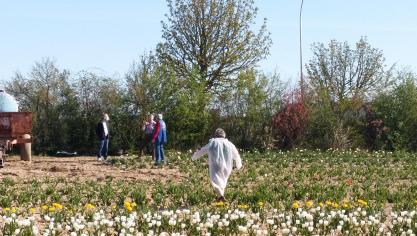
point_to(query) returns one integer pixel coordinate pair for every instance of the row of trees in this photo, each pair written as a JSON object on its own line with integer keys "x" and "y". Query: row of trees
{"x": 353, "y": 100}
{"x": 203, "y": 75}
{"x": 66, "y": 107}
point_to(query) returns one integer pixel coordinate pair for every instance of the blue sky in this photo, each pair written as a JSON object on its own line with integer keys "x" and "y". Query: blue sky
{"x": 107, "y": 36}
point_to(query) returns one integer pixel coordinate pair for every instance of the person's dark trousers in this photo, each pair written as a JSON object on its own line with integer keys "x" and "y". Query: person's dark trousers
{"x": 146, "y": 145}
{"x": 102, "y": 148}
{"x": 159, "y": 153}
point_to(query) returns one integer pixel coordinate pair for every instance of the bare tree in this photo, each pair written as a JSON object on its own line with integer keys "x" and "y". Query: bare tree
{"x": 43, "y": 93}
{"x": 344, "y": 73}
{"x": 213, "y": 37}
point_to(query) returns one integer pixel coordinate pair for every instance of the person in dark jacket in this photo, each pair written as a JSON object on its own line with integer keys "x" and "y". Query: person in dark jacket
{"x": 102, "y": 131}
{"x": 159, "y": 139}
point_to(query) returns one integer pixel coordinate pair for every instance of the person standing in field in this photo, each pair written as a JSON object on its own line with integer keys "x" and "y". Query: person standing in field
{"x": 159, "y": 139}
{"x": 102, "y": 131}
{"x": 148, "y": 128}
{"x": 221, "y": 154}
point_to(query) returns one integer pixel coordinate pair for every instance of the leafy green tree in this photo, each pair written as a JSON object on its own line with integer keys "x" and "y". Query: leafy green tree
{"x": 213, "y": 37}
{"x": 69, "y": 117}
{"x": 150, "y": 86}
{"x": 66, "y": 110}
{"x": 397, "y": 109}
{"x": 97, "y": 94}
{"x": 343, "y": 79}
{"x": 189, "y": 119}
{"x": 87, "y": 87}
{"x": 246, "y": 111}
{"x": 320, "y": 124}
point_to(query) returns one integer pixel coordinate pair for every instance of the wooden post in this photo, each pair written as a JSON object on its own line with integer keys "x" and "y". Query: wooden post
{"x": 1, "y": 158}
{"x": 26, "y": 148}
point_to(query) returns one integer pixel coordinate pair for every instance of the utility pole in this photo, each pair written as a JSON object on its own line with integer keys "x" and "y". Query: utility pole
{"x": 301, "y": 57}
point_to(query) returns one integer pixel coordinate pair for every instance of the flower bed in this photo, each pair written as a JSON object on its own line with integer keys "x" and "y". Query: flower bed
{"x": 298, "y": 193}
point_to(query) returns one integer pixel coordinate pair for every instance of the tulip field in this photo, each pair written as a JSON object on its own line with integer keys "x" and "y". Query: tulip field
{"x": 300, "y": 192}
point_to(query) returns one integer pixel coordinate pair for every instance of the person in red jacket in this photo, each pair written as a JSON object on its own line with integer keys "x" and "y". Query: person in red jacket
{"x": 159, "y": 139}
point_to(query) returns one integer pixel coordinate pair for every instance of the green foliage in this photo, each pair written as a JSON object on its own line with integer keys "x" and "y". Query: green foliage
{"x": 245, "y": 111}
{"x": 150, "y": 86}
{"x": 213, "y": 37}
{"x": 44, "y": 95}
{"x": 153, "y": 88}
{"x": 309, "y": 184}
{"x": 341, "y": 81}
{"x": 350, "y": 100}
{"x": 380, "y": 178}
{"x": 320, "y": 123}
{"x": 189, "y": 118}
{"x": 66, "y": 110}
{"x": 398, "y": 110}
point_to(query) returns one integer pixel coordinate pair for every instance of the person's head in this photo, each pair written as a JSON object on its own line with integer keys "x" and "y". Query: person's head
{"x": 159, "y": 116}
{"x": 150, "y": 117}
{"x": 105, "y": 117}
{"x": 219, "y": 133}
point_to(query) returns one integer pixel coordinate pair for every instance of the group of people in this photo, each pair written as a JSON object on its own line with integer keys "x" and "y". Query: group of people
{"x": 155, "y": 138}
{"x": 221, "y": 152}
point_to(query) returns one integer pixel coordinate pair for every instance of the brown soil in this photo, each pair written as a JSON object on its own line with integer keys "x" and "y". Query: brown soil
{"x": 82, "y": 168}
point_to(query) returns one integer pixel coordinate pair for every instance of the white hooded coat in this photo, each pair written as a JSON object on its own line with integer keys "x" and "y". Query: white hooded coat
{"x": 221, "y": 154}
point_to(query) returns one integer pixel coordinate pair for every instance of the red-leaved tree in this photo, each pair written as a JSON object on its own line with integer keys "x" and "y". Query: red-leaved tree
{"x": 289, "y": 122}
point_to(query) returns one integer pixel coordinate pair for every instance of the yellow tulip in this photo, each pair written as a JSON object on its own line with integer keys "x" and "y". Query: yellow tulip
{"x": 127, "y": 204}
{"x": 295, "y": 205}
{"x": 89, "y": 206}
{"x": 243, "y": 206}
{"x": 362, "y": 202}
{"x": 57, "y": 206}
{"x": 218, "y": 204}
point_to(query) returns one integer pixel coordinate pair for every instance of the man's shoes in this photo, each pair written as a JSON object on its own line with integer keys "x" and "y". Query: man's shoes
{"x": 221, "y": 199}
{"x": 99, "y": 159}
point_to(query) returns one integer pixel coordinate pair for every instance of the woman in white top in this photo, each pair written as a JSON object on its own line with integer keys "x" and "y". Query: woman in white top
{"x": 221, "y": 153}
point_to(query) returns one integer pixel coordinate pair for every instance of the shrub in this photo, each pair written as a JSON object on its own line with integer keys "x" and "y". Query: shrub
{"x": 289, "y": 122}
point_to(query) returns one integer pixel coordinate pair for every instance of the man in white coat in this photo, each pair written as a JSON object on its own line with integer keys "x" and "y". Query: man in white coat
{"x": 221, "y": 153}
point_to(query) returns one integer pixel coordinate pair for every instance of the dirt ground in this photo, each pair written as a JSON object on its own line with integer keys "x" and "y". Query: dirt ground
{"x": 82, "y": 168}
